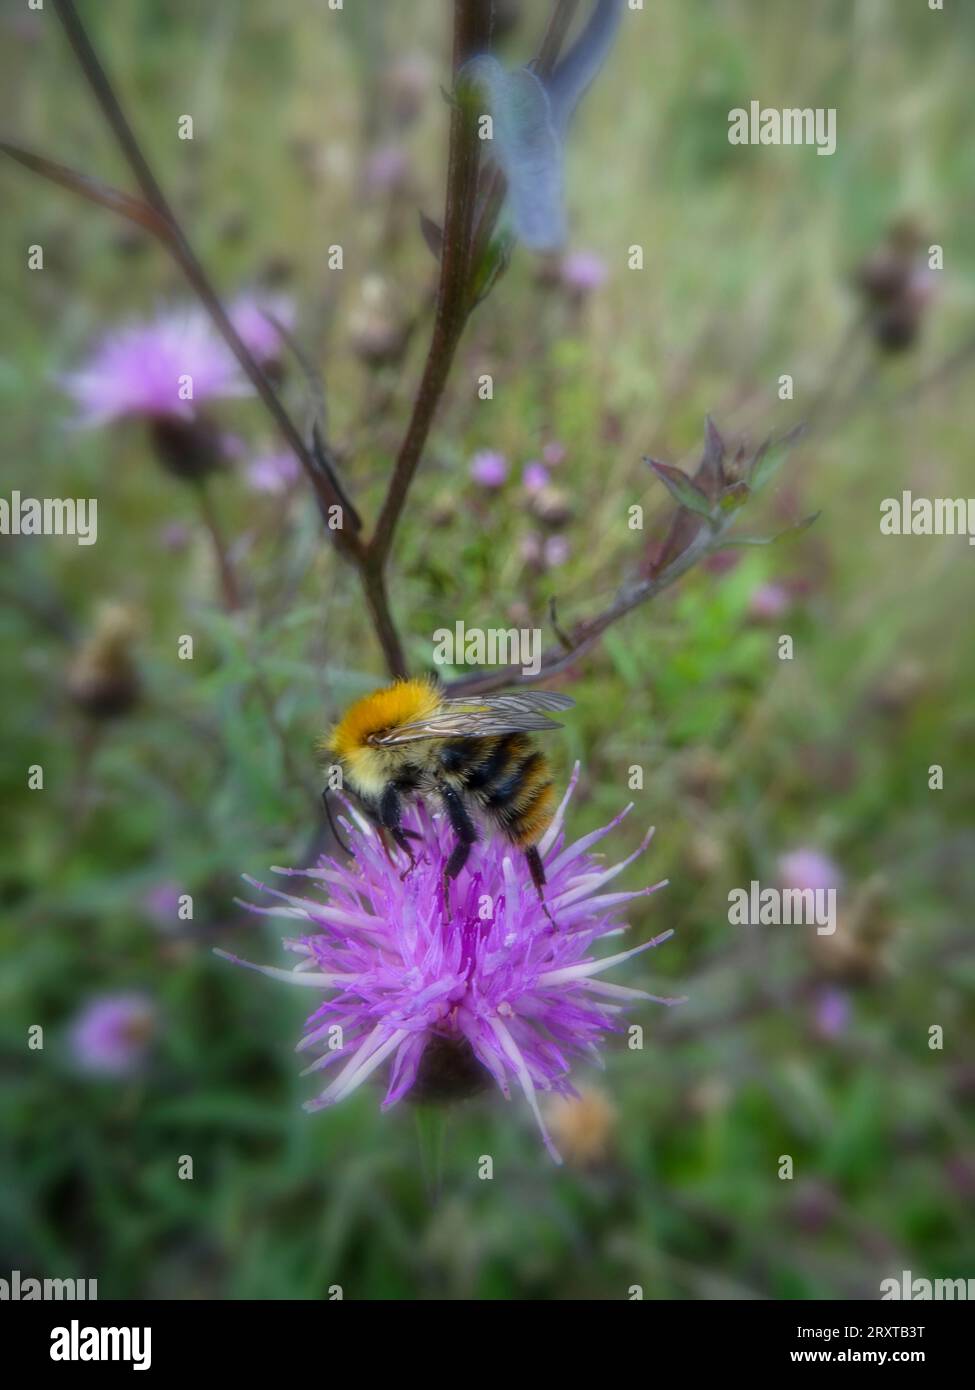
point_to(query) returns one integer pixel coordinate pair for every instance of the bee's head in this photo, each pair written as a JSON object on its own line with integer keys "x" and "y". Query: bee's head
{"x": 351, "y": 741}
{"x": 379, "y": 712}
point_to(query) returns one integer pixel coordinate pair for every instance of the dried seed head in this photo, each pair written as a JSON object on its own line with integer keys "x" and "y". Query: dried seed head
{"x": 102, "y": 679}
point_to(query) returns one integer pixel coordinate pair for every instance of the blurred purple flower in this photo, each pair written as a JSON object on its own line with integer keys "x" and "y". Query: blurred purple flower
{"x": 583, "y": 271}
{"x": 141, "y": 369}
{"x": 161, "y": 903}
{"x": 273, "y": 473}
{"x": 249, "y": 315}
{"x": 553, "y": 454}
{"x": 530, "y": 549}
{"x": 832, "y": 1012}
{"x": 722, "y": 561}
{"x": 489, "y": 468}
{"x": 387, "y": 169}
{"x": 534, "y": 476}
{"x": 557, "y": 551}
{"x": 174, "y": 536}
{"x": 769, "y": 601}
{"x": 111, "y": 1034}
{"x": 489, "y": 984}
{"x": 808, "y": 868}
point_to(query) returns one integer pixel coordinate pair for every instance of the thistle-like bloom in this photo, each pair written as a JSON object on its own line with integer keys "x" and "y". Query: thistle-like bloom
{"x": 255, "y": 318}
{"x": 489, "y": 468}
{"x": 273, "y": 473}
{"x": 163, "y": 369}
{"x": 806, "y": 868}
{"x": 112, "y": 1033}
{"x": 451, "y": 998}
{"x": 583, "y": 272}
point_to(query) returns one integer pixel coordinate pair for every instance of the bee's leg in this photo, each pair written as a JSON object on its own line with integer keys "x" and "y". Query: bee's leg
{"x": 537, "y": 871}
{"x": 331, "y": 823}
{"x": 465, "y": 830}
{"x": 390, "y": 810}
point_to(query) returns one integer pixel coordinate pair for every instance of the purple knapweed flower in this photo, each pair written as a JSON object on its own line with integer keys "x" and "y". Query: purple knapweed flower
{"x": 556, "y": 551}
{"x": 387, "y": 169}
{"x": 809, "y": 868}
{"x": 254, "y": 317}
{"x": 163, "y": 369}
{"x": 489, "y": 468}
{"x": 831, "y": 1012}
{"x": 769, "y": 601}
{"x": 453, "y": 998}
{"x": 111, "y": 1034}
{"x": 583, "y": 272}
{"x": 534, "y": 476}
{"x": 162, "y": 903}
{"x": 273, "y": 473}
{"x": 174, "y": 536}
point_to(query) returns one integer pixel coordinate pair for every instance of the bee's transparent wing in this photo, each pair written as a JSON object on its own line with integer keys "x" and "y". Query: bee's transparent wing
{"x": 484, "y": 716}
{"x": 519, "y": 701}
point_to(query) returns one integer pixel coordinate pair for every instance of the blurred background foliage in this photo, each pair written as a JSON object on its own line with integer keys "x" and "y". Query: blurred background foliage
{"x": 311, "y": 129}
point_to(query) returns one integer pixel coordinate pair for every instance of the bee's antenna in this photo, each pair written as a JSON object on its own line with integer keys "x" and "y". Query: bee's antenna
{"x": 334, "y": 828}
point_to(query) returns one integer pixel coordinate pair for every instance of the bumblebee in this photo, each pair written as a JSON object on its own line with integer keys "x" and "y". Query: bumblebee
{"x": 474, "y": 756}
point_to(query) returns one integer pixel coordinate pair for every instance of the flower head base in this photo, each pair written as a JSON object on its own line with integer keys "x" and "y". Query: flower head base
{"x": 485, "y": 989}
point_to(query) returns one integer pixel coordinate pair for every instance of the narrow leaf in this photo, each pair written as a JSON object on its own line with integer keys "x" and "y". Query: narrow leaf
{"x": 93, "y": 189}
{"x": 432, "y": 235}
{"x": 803, "y": 525}
{"x": 710, "y": 474}
{"x": 682, "y": 488}
{"x": 770, "y": 458}
{"x": 493, "y": 263}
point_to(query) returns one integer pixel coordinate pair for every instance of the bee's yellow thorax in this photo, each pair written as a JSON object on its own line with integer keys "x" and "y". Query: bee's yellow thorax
{"x": 385, "y": 709}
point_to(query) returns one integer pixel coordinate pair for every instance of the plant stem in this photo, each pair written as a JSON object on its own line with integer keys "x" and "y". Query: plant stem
{"x": 225, "y": 568}
{"x": 179, "y": 247}
{"x": 472, "y": 33}
{"x": 586, "y": 634}
{"x": 431, "y": 1127}
{"x": 559, "y": 25}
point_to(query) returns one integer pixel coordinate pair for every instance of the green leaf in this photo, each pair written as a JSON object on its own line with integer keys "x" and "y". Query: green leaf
{"x": 770, "y": 458}
{"x": 682, "y": 488}
{"x": 803, "y": 525}
{"x": 493, "y": 264}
